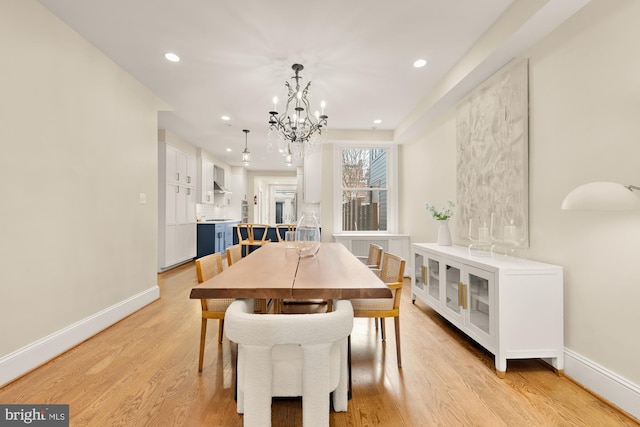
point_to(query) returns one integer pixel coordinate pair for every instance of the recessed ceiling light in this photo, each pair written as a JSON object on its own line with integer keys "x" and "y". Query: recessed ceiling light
{"x": 377, "y": 121}
{"x": 228, "y": 150}
{"x": 225, "y": 118}
{"x": 420, "y": 63}
{"x": 172, "y": 57}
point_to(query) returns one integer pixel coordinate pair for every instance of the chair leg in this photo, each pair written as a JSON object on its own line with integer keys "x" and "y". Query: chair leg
{"x": 220, "y": 330}
{"x": 349, "y": 363}
{"x": 382, "y": 331}
{"x": 396, "y": 320}
{"x": 203, "y": 335}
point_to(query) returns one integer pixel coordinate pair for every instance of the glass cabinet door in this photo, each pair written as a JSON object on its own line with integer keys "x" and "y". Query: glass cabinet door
{"x": 418, "y": 274}
{"x": 433, "y": 279}
{"x": 454, "y": 298}
{"x": 480, "y": 299}
{"x": 418, "y": 277}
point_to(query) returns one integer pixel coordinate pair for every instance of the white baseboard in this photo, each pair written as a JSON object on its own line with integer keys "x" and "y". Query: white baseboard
{"x": 606, "y": 384}
{"x": 35, "y": 354}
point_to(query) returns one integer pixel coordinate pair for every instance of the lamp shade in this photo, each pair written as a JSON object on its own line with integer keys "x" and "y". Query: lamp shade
{"x": 601, "y": 196}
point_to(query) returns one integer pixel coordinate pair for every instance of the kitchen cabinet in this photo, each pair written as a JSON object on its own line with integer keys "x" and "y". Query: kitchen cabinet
{"x": 511, "y": 306}
{"x": 206, "y": 182}
{"x": 181, "y": 168}
{"x": 228, "y": 234}
{"x": 214, "y": 237}
{"x": 206, "y": 239}
{"x": 177, "y": 174}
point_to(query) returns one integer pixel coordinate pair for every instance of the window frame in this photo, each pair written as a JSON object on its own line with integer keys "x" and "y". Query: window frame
{"x": 391, "y": 188}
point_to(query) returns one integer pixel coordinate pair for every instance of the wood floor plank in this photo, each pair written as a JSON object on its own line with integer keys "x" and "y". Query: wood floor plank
{"x": 143, "y": 371}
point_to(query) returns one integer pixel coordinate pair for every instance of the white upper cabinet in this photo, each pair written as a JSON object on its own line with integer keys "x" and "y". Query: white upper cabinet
{"x": 205, "y": 193}
{"x": 177, "y": 215}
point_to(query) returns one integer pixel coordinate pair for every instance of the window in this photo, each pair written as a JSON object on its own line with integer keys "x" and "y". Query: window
{"x": 364, "y": 189}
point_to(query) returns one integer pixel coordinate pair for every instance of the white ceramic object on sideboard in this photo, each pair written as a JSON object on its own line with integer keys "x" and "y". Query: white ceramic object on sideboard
{"x": 444, "y": 234}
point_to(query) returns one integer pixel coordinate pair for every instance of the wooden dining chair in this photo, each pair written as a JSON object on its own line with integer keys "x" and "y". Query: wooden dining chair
{"x": 374, "y": 258}
{"x": 214, "y": 308}
{"x": 392, "y": 273}
{"x": 248, "y": 236}
{"x": 281, "y": 229}
{"x": 234, "y": 254}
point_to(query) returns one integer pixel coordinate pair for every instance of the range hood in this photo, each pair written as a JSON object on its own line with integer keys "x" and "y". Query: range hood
{"x": 217, "y": 188}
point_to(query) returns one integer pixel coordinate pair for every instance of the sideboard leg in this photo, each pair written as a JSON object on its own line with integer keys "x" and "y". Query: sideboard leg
{"x": 501, "y": 366}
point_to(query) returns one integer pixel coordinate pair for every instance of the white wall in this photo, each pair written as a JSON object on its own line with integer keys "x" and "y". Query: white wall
{"x": 584, "y": 126}
{"x": 79, "y": 144}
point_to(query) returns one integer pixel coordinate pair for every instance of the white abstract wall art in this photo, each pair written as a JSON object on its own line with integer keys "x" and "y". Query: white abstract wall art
{"x": 492, "y": 139}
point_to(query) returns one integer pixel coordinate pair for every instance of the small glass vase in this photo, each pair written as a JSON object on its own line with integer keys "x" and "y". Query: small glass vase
{"x": 505, "y": 233}
{"x": 307, "y": 235}
{"x": 479, "y": 235}
{"x": 444, "y": 234}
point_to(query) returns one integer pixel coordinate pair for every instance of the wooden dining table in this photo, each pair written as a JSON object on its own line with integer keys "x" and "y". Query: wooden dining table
{"x": 275, "y": 271}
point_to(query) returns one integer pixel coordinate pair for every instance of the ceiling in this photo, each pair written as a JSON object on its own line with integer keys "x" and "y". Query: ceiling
{"x": 237, "y": 54}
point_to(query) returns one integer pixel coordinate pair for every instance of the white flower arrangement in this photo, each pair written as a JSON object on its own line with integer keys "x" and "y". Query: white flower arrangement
{"x": 442, "y": 214}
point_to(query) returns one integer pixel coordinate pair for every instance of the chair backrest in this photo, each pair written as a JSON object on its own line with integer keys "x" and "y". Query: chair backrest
{"x": 234, "y": 254}
{"x": 243, "y": 230}
{"x": 392, "y": 274}
{"x": 245, "y": 327}
{"x": 256, "y": 229}
{"x": 208, "y": 266}
{"x": 250, "y": 232}
{"x": 375, "y": 255}
{"x": 283, "y": 228}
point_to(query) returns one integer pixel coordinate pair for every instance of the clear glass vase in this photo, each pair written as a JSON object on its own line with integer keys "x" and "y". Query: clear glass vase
{"x": 308, "y": 235}
{"x": 480, "y": 237}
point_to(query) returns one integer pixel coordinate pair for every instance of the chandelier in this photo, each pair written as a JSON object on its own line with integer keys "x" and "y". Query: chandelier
{"x": 296, "y": 129}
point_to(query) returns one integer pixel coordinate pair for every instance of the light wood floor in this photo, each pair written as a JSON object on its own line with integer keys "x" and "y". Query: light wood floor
{"x": 143, "y": 372}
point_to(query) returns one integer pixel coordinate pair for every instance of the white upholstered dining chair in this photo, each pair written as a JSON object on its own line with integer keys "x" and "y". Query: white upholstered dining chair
{"x": 287, "y": 355}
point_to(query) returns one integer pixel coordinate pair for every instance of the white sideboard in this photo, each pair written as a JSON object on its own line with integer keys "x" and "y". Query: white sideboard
{"x": 511, "y": 306}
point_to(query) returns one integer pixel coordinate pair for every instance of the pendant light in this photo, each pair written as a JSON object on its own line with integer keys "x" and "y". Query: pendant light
{"x": 246, "y": 155}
